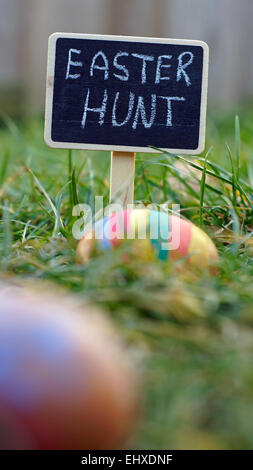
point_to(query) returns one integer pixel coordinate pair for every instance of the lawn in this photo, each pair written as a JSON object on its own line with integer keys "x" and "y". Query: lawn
{"x": 190, "y": 333}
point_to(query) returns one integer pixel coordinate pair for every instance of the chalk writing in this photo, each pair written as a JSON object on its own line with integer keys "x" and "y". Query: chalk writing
{"x": 101, "y": 111}
{"x": 160, "y": 65}
{"x": 182, "y": 66}
{"x": 104, "y": 67}
{"x": 74, "y": 64}
{"x": 129, "y": 113}
{"x": 121, "y": 67}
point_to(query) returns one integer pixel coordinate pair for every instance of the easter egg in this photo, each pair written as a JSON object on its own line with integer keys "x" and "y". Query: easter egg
{"x": 155, "y": 233}
{"x": 65, "y": 379}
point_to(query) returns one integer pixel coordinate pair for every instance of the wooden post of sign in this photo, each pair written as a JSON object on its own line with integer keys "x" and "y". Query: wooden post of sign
{"x": 122, "y": 178}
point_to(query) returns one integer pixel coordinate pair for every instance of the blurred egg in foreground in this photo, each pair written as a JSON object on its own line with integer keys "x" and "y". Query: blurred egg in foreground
{"x": 65, "y": 380}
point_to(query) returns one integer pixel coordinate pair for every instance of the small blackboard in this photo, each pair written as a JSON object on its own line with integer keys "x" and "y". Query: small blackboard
{"x": 125, "y": 93}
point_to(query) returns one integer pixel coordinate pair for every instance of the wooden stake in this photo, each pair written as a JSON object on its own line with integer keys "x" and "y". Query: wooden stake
{"x": 122, "y": 178}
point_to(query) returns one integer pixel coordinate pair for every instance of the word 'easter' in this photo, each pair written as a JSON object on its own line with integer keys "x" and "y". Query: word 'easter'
{"x": 136, "y": 105}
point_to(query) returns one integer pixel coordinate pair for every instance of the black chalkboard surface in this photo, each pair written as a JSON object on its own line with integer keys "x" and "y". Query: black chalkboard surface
{"x": 123, "y": 93}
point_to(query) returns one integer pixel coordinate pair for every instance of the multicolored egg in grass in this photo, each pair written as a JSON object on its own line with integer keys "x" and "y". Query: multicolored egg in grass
{"x": 154, "y": 233}
{"x": 65, "y": 380}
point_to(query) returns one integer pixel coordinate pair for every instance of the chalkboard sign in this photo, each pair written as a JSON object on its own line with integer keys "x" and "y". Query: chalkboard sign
{"x": 125, "y": 93}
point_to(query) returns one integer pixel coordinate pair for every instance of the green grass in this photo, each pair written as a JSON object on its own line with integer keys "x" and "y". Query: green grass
{"x": 191, "y": 334}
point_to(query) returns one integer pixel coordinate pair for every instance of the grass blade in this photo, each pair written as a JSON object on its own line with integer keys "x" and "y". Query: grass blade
{"x": 25, "y": 231}
{"x": 70, "y": 171}
{"x": 7, "y": 235}
{"x": 202, "y": 192}
{"x": 237, "y": 146}
{"x": 3, "y": 169}
{"x": 42, "y": 190}
{"x": 74, "y": 190}
{"x": 233, "y": 174}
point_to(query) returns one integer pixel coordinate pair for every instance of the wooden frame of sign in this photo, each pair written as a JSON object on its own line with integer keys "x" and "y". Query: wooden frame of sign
{"x": 143, "y": 92}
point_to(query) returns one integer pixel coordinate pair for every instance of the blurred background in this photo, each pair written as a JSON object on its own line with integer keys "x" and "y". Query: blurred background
{"x": 226, "y": 25}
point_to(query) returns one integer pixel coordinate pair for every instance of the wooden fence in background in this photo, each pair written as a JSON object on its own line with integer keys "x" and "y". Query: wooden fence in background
{"x": 226, "y": 25}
